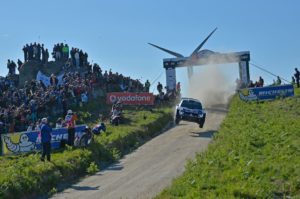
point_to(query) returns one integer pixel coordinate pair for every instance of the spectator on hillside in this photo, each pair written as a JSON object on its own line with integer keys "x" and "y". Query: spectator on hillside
{"x": 35, "y": 51}
{"x": 251, "y": 84}
{"x": 46, "y": 56}
{"x": 297, "y": 76}
{"x": 147, "y": 86}
{"x": 53, "y": 80}
{"x": 30, "y": 51}
{"x": 72, "y": 54}
{"x": 278, "y": 81}
{"x": 70, "y": 120}
{"x": 20, "y": 63}
{"x": 46, "y": 140}
{"x": 39, "y": 50}
{"x": 59, "y": 123}
{"x": 25, "y": 50}
{"x": 293, "y": 80}
{"x": 159, "y": 87}
{"x": 81, "y": 58}
{"x": 65, "y": 52}
{"x": 260, "y": 82}
{"x": 77, "y": 59}
{"x": 98, "y": 128}
{"x": 84, "y": 98}
{"x": 31, "y": 127}
{"x": 11, "y": 65}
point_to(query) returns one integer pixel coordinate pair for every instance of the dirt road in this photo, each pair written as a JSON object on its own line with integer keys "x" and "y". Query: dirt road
{"x": 145, "y": 172}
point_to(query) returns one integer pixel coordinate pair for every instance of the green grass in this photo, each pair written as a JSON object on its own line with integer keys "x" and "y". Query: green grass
{"x": 27, "y": 176}
{"x": 255, "y": 154}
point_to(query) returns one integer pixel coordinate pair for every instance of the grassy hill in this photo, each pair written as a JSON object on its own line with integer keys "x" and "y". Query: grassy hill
{"x": 255, "y": 154}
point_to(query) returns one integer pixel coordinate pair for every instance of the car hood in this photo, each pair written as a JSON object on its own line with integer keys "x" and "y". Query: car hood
{"x": 195, "y": 111}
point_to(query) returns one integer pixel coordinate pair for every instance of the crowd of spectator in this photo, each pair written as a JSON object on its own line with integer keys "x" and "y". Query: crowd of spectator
{"x": 259, "y": 83}
{"x": 61, "y": 52}
{"x": 11, "y": 66}
{"x": 21, "y": 108}
{"x": 74, "y": 57}
{"x": 35, "y": 51}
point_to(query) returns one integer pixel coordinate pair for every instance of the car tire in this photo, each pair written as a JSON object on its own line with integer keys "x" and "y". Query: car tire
{"x": 202, "y": 121}
{"x": 201, "y": 125}
{"x": 177, "y": 120}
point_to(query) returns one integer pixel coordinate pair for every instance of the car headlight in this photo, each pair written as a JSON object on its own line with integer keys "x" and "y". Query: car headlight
{"x": 200, "y": 115}
{"x": 181, "y": 112}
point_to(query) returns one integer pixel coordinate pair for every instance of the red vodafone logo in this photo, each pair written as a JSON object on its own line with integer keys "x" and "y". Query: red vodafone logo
{"x": 131, "y": 98}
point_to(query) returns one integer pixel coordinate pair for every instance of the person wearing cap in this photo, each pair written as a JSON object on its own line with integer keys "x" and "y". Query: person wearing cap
{"x": 45, "y": 139}
{"x": 70, "y": 120}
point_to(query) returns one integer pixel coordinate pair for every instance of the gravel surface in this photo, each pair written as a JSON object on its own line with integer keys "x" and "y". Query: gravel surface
{"x": 147, "y": 171}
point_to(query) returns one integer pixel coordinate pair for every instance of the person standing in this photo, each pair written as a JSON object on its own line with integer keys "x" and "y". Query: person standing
{"x": 159, "y": 87}
{"x": 65, "y": 51}
{"x": 261, "y": 81}
{"x": 147, "y": 86}
{"x": 293, "y": 81}
{"x": 278, "y": 81}
{"x": 70, "y": 120}
{"x": 53, "y": 80}
{"x": 46, "y": 140}
{"x": 46, "y": 56}
{"x": 77, "y": 61}
{"x": 297, "y": 76}
{"x": 25, "y": 50}
{"x": 20, "y": 63}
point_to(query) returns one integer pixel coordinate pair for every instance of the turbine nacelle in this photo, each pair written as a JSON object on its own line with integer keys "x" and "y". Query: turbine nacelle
{"x": 194, "y": 57}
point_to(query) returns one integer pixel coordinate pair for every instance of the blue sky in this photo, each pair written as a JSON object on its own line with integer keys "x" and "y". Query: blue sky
{"x": 115, "y": 33}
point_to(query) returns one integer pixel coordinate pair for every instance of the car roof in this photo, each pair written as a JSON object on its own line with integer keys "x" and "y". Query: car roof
{"x": 189, "y": 99}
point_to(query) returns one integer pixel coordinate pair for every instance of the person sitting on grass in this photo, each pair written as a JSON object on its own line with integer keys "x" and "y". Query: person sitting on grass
{"x": 98, "y": 128}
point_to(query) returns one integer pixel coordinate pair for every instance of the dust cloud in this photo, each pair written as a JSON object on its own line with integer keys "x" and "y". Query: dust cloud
{"x": 212, "y": 86}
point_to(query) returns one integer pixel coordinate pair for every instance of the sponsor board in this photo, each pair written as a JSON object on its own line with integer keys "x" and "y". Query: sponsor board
{"x": 130, "y": 98}
{"x": 15, "y": 143}
{"x": 266, "y": 93}
{"x": 171, "y": 78}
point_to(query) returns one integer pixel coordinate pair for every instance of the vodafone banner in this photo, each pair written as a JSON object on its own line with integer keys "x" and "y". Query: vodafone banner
{"x": 131, "y": 98}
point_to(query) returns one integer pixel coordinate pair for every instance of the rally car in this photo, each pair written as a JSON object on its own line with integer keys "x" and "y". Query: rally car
{"x": 191, "y": 110}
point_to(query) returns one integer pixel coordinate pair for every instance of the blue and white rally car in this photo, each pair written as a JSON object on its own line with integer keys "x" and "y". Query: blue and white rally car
{"x": 191, "y": 110}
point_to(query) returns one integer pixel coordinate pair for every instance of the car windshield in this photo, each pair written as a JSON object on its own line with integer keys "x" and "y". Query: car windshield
{"x": 191, "y": 104}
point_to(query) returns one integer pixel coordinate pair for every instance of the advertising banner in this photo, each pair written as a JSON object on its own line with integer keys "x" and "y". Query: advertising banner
{"x": 46, "y": 80}
{"x": 244, "y": 72}
{"x": 130, "y": 98}
{"x": 171, "y": 78}
{"x": 266, "y": 93}
{"x": 15, "y": 143}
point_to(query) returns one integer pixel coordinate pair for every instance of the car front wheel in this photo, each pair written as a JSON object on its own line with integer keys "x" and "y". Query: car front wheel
{"x": 177, "y": 120}
{"x": 201, "y": 123}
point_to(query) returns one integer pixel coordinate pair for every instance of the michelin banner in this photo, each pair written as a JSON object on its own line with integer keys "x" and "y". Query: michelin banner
{"x": 15, "y": 143}
{"x": 266, "y": 93}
